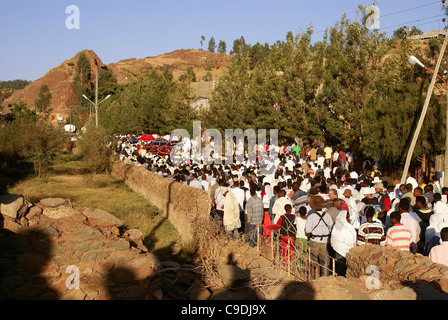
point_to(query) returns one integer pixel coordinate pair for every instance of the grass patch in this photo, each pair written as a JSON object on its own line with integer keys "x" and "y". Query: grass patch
{"x": 67, "y": 178}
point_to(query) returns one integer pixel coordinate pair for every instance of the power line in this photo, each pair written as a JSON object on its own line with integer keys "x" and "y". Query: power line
{"x": 405, "y": 23}
{"x": 421, "y": 24}
{"x": 424, "y": 5}
{"x": 398, "y": 12}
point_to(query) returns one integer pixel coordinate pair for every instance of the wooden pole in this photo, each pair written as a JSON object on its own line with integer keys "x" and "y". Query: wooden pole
{"x": 423, "y": 114}
{"x": 445, "y": 171}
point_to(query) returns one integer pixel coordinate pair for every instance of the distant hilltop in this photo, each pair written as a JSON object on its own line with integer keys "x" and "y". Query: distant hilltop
{"x": 60, "y": 80}
{"x": 428, "y": 35}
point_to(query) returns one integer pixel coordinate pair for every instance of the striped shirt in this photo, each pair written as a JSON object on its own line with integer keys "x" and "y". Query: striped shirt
{"x": 255, "y": 210}
{"x": 371, "y": 232}
{"x": 399, "y": 237}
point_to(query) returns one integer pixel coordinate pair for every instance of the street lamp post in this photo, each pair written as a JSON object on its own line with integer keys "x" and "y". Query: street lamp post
{"x": 96, "y": 103}
{"x": 425, "y": 108}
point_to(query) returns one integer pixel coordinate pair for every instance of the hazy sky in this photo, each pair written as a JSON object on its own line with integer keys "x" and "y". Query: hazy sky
{"x": 35, "y": 38}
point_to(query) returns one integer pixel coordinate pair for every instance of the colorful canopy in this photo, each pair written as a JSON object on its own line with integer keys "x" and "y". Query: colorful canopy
{"x": 146, "y": 137}
{"x": 159, "y": 142}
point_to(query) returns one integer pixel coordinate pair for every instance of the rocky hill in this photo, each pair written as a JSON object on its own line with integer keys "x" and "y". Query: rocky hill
{"x": 60, "y": 82}
{"x": 177, "y": 62}
{"x": 60, "y": 79}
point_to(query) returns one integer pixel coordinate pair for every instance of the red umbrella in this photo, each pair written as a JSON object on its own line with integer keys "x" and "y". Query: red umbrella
{"x": 146, "y": 137}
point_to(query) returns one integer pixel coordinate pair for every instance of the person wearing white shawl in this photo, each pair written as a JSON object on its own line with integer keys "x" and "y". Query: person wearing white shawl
{"x": 267, "y": 196}
{"x": 343, "y": 238}
{"x": 231, "y": 218}
{"x": 343, "y": 234}
{"x": 279, "y": 206}
{"x": 351, "y": 203}
{"x": 440, "y": 207}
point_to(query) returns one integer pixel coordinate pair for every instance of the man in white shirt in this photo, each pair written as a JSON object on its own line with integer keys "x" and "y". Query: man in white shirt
{"x": 239, "y": 195}
{"x": 318, "y": 229}
{"x": 279, "y": 206}
{"x": 412, "y": 181}
{"x": 204, "y": 182}
{"x": 411, "y": 223}
{"x": 194, "y": 182}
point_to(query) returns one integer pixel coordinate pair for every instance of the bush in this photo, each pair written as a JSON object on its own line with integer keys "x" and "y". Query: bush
{"x": 27, "y": 140}
{"x": 95, "y": 145}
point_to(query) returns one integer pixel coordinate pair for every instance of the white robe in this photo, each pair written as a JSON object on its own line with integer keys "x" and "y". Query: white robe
{"x": 343, "y": 235}
{"x": 231, "y": 219}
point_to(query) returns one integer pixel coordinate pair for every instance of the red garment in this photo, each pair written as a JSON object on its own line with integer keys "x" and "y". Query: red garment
{"x": 287, "y": 249}
{"x": 386, "y": 204}
{"x": 286, "y": 244}
{"x": 266, "y": 223}
{"x": 342, "y": 157}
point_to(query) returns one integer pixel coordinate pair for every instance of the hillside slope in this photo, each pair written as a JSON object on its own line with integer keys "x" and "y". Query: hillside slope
{"x": 61, "y": 78}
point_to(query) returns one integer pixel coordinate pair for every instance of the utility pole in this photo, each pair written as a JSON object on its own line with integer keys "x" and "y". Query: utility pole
{"x": 425, "y": 108}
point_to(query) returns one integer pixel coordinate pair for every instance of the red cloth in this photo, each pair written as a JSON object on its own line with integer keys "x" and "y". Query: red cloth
{"x": 266, "y": 223}
{"x": 287, "y": 249}
{"x": 286, "y": 244}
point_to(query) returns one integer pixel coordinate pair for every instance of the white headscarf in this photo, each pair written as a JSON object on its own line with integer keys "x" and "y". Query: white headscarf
{"x": 343, "y": 235}
{"x": 231, "y": 219}
{"x": 269, "y": 193}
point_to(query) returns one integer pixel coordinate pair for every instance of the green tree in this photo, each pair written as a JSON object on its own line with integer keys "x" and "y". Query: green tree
{"x": 405, "y": 32}
{"x": 212, "y": 45}
{"x": 222, "y": 47}
{"x": 32, "y": 141}
{"x": 14, "y": 84}
{"x": 239, "y": 45}
{"x": 21, "y": 111}
{"x": 207, "y": 77}
{"x": 202, "y": 41}
{"x": 156, "y": 103}
{"x": 43, "y": 102}
{"x": 83, "y": 83}
{"x": 96, "y": 148}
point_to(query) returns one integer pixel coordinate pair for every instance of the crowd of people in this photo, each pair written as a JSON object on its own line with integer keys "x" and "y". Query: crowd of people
{"x": 315, "y": 198}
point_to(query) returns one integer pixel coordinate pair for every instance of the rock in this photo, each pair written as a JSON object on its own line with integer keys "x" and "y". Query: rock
{"x": 198, "y": 291}
{"x": 52, "y": 202}
{"x": 13, "y": 205}
{"x": 410, "y": 276}
{"x": 101, "y": 218}
{"x": 120, "y": 244}
{"x": 33, "y": 212}
{"x": 12, "y": 225}
{"x": 59, "y": 212}
{"x": 74, "y": 294}
{"x": 136, "y": 270}
{"x": 232, "y": 276}
{"x": 135, "y": 235}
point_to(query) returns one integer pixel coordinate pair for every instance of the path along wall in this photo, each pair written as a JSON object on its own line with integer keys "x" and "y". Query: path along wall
{"x": 181, "y": 204}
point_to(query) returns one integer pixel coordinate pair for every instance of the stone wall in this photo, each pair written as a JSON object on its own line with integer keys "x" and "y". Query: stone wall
{"x": 57, "y": 251}
{"x": 398, "y": 269}
{"x": 181, "y": 204}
